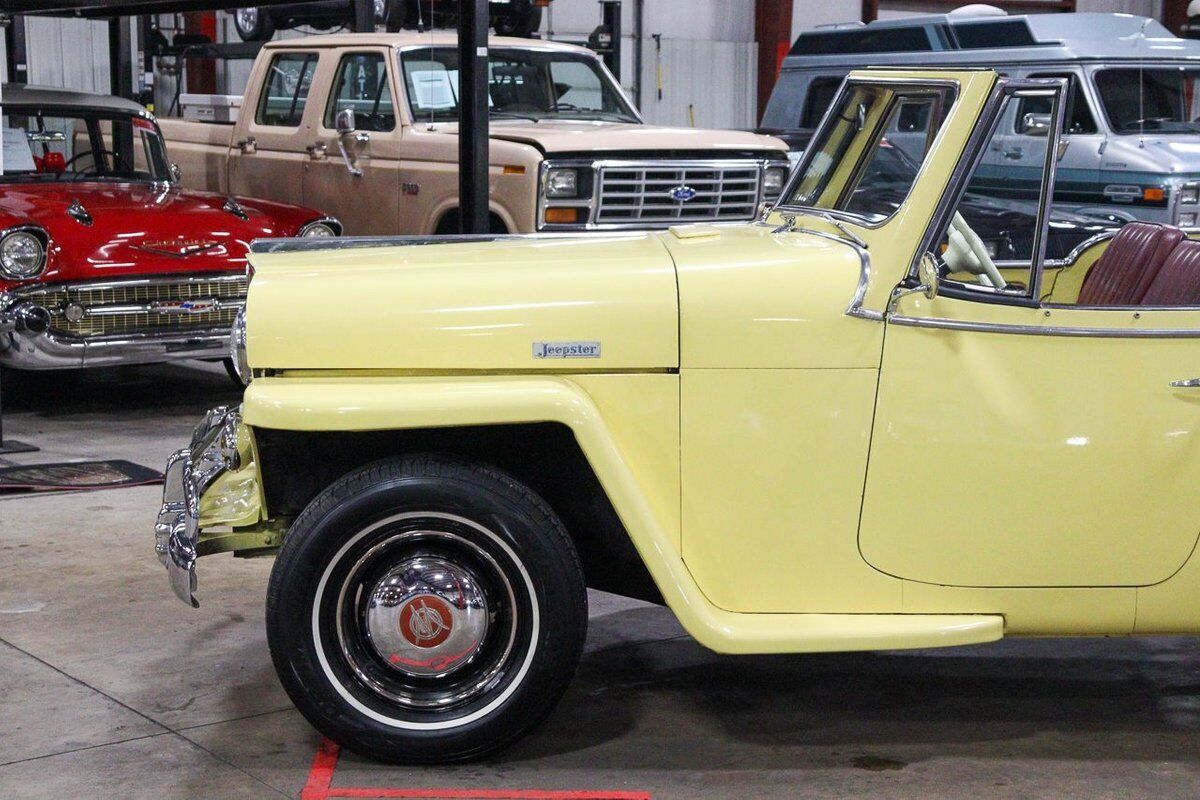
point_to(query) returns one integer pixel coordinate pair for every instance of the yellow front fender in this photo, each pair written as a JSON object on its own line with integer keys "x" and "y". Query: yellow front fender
{"x": 367, "y": 403}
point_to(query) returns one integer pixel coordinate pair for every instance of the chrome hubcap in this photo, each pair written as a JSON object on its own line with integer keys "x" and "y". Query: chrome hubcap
{"x": 247, "y": 18}
{"x": 427, "y": 617}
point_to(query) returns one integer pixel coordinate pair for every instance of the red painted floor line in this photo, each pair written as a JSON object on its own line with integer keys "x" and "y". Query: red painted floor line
{"x": 320, "y": 778}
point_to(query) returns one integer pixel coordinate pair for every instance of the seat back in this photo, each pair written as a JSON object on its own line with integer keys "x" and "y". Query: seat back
{"x": 1178, "y": 282}
{"x": 1127, "y": 267}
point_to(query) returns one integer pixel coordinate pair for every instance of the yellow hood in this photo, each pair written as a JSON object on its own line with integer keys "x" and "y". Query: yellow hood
{"x": 555, "y": 305}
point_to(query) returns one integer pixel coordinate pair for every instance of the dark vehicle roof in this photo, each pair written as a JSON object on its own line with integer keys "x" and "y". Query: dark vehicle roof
{"x": 20, "y": 94}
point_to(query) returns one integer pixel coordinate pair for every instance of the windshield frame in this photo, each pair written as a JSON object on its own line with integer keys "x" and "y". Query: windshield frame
{"x": 1134, "y": 66}
{"x": 92, "y": 115}
{"x": 607, "y": 81}
{"x": 948, "y": 86}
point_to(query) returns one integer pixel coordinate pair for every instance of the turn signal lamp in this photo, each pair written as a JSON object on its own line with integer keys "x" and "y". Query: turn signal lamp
{"x": 562, "y": 216}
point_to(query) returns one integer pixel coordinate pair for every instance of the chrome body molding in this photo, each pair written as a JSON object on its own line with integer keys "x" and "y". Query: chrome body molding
{"x": 1040, "y": 330}
{"x": 593, "y": 206}
{"x": 353, "y": 242}
{"x": 855, "y": 308}
{"x": 188, "y": 474}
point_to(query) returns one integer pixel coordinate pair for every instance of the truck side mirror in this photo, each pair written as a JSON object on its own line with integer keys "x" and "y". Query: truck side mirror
{"x": 1034, "y": 124}
{"x": 1063, "y": 144}
{"x": 176, "y": 173}
{"x": 344, "y": 122}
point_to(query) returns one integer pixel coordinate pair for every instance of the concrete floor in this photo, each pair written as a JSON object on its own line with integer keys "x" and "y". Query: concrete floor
{"x": 110, "y": 687}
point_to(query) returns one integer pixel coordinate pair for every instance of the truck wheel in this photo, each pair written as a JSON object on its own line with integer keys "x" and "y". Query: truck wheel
{"x": 520, "y": 18}
{"x": 253, "y": 24}
{"x": 424, "y": 610}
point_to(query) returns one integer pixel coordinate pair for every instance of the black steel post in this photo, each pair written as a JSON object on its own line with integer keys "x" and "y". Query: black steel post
{"x": 364, "y": 16}
{"x": 120, "y": 58}
{"x": 473, "y": 116}
{"x": 611, "y": 20}
{"x": 14, "y": 41}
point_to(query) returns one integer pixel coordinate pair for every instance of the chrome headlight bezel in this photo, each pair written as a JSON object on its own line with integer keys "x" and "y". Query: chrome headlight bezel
{"x": 1189, "y": 195}
{"x": 237, "y": 348}
{"x": 321, "y": 228}
{"x": 23, "y": 235}
{"x": 561, "y": 183}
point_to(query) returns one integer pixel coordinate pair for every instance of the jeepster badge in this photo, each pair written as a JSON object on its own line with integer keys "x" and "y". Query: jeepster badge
{"x": 566, "y": 349}
{"x": 426, "y": 621}
{"x": 683, "y": 193}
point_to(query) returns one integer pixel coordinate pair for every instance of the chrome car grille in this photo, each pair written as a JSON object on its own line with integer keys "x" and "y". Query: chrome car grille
{"x": 655, "y": 193}
{"x": 114, "y": 308}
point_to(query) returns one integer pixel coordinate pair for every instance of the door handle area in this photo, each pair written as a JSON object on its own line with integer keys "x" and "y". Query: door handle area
{"x": 1015, "y": 153}
{"x": 1187, "y": 383}
{"x": 316, "y": 150}
{"x": 247, "y": 146}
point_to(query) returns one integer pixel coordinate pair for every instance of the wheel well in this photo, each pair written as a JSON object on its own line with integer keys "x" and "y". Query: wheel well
{"x": 297, "y": 465}
{"x": 449, "y": 223}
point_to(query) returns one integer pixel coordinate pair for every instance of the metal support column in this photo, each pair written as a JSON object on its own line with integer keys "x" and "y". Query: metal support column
{"x": 610, "y": 14}
{"x": 364, "y": 16}
{"x": 14, "y": 46}
{"x": 473, "y": 116}
{"x": 120, "y": 58}
{"x": 773, "y": 32}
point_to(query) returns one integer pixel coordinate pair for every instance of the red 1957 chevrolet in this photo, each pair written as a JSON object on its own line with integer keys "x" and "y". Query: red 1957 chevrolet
{"x": 103, "y": 258}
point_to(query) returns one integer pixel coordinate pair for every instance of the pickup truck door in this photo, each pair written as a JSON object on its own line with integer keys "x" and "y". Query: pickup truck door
{"x": 1021, "y": 444}
{"x": 355, "y": 172}
{"x": 266, "y": 157}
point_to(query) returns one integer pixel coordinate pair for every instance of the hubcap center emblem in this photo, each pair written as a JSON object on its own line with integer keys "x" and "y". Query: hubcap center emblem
{"x": 426, "y": 621}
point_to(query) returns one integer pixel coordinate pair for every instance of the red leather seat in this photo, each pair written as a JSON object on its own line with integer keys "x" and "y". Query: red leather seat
{"x": 1178, "y": 282}
{"x": 1125, "y": 270}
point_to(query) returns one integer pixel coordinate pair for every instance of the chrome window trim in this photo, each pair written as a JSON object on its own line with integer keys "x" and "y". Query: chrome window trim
{"x": 954, "y": 88}
{"x": 597, "y": 165}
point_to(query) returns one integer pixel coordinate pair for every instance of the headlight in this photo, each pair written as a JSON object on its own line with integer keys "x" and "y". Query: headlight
{"x": 562, "y": 182}
{"x": 237, "y": 348}
{"x": 1189, "y": 194}
{"x": 22, "y": 254}
{"x": 320, "y": 229}
{"x": 1187, "y": 220}
{"x": 773, "y": 180}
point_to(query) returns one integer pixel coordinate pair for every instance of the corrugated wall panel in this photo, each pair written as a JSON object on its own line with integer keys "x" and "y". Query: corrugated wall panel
{"x": 714, "y": 78}
{"x": 72, "y": 53}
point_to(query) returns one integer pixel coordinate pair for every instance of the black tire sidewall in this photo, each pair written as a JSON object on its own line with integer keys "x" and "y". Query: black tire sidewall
{"x": 261, "y": 32}
{"x": 347, "y": 508}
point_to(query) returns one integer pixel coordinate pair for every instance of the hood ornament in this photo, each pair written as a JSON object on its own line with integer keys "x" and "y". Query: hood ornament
{"x": 231, "y": 205}
{"x": 77, "y": 212}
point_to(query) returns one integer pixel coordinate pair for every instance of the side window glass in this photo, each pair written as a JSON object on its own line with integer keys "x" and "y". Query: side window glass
{"x": 289, "y": 78}
{"x": 1078, "y": 118}
{"x": 820, "y": 96}
{"x": 990, "y": 245}
{"x": 362, "y": 84}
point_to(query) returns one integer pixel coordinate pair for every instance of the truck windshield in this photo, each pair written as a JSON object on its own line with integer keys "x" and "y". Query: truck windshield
{"x": 1162, "y": 100}
{"x": 528, "y": 84}
{"x": 67, "y": 144}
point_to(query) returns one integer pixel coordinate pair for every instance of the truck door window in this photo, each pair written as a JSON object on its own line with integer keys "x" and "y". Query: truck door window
{"x": 362, "y": 84}
{"x": 820, "y": 96}
{"x": 289, "y": 78}
{"x": 1079, "y": 117}
{"x": 867, "y": 157}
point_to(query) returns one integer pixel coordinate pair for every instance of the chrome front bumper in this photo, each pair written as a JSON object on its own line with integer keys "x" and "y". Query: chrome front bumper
{"x": 21, "y": 348}
{"x": 189, "y": 473}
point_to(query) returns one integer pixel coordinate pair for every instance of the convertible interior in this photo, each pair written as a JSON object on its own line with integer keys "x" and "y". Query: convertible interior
{"x": 1143, "y": 264}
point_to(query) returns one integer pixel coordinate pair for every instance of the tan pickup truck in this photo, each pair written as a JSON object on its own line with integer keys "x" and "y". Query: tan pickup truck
{"x": 364, "y": 126}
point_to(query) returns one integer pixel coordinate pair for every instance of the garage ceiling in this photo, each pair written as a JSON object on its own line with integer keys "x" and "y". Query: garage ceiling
{"x": 117, "y": 8}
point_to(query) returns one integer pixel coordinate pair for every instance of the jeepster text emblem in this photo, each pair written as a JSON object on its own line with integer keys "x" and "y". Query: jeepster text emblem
{"x": 566, "y": 349}
{"x": 683, "y": 193}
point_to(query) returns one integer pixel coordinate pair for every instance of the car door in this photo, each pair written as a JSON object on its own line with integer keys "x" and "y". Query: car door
{"x": 1021, "y": 444}
{"x": 267, "y": 158}
{"x": 356, "y": 173}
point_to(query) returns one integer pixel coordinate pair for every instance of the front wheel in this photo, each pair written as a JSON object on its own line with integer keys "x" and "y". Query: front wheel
{"x": 426, "y": 610}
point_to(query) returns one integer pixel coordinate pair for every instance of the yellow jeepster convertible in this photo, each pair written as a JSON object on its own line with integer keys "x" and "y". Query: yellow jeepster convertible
{"x": 849, "y": 425}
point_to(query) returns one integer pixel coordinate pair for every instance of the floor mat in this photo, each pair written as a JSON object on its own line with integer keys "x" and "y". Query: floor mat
{"x": 75, "y": 476}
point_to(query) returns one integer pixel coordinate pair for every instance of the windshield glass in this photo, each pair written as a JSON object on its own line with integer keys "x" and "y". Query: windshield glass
{"x": 522, "y": 84}
{"x": 1161, "y": 100}
{"x": 49, "y": 144}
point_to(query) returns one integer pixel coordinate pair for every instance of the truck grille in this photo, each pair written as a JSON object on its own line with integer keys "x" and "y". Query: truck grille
{"x": 141, "y": 306}
{"x": 669, "y": 193}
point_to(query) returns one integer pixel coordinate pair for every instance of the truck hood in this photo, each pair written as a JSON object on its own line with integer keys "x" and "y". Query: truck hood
{"x": 574, "y": 136}
{"x": 604, "y": 302}
{"x": 140, "y": 228}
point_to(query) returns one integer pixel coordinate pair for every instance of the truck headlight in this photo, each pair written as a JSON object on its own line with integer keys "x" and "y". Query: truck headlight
{"x": 1187, "y": 220}
{"x": 773, "y": 180}
{"x": 562, "y": 182}
{"x": 22, "y": 254}
{"x": 321, "y": 228}
{"x": 237, "y": 348}
{"x": 1189, "y": 194}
